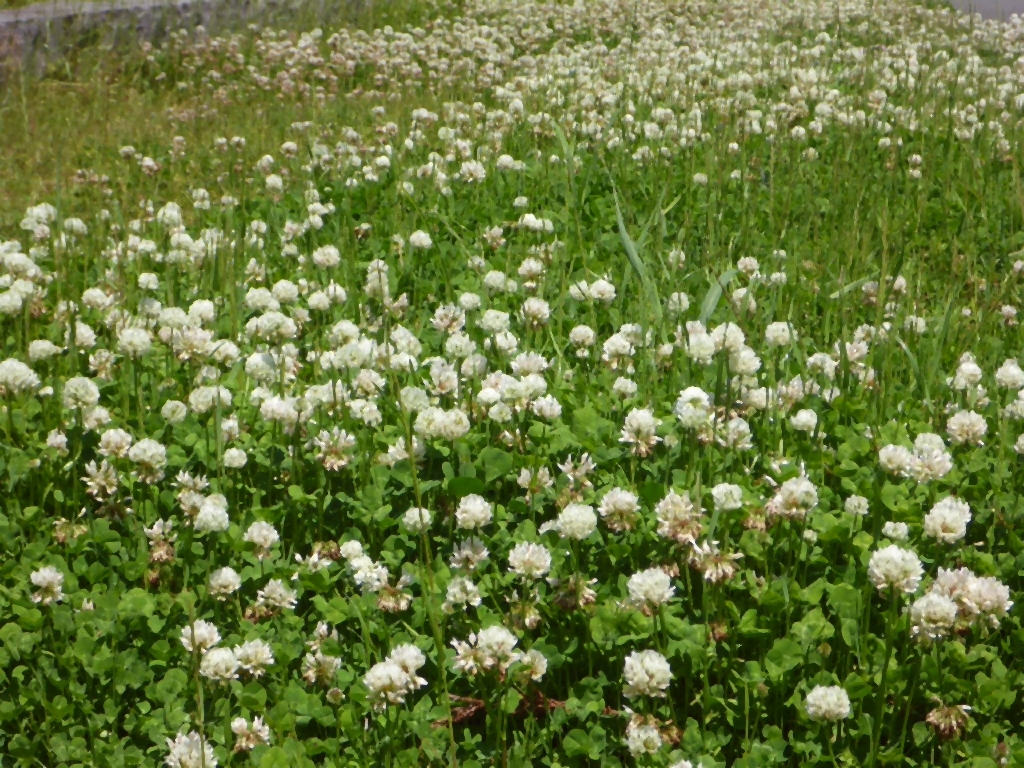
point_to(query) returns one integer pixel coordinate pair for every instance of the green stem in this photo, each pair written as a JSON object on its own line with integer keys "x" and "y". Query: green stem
{"x": 876, "y": 728}
{"x": 435, "y": 626}
{"x": 831, "y": 749}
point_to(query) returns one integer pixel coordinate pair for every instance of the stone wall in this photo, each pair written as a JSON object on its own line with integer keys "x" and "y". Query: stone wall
{"x": 39, "y": 34}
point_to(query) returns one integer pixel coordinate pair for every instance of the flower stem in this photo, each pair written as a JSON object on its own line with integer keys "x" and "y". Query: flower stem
{"x": 876, "y": 728}
{"x": 435, "y": 625}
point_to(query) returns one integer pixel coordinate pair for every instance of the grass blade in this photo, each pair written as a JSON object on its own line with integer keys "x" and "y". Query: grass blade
{"x": 650, "y": 288}
{"x": 714, "y": 294}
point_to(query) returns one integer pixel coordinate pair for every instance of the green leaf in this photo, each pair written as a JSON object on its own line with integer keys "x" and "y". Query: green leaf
{"x": 463, "y": 486}
{"x": 17, "y": 466}
{"x": 136, "y": 602}
{"x": 253, "y": 696}
{"x": 748, "y": 625}
{"x": 172, "y": 684}
{"x": 496, "y": 462}
{"x": 651, "y": 492}
{"x": 784, "y": 656}
{"x": 510, "y": 703}
{"x": 812, "y": 629}
{"x": 577, "y": 743}
{"x": 922, "y": 733}
{"x": 845, "y": 600}
{"x": 850, "y": 631}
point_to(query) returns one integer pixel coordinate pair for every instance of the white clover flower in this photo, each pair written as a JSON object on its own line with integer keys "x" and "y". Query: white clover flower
{"x": 17, "y": 378}
{"x": 727, "y": 496}
{"x": 582, "y": 336}
{"x": 320, "y": 668}
{"x": 896, "y": 460}
{"x": 80, "y": 392}
{"x": 326, "y": 257}
{"x": 603, "y": 291}
{"x": 532, "y": 665}
{"x": 966, "y": 428}
{"x": 827, "y": 702}
{"x": 977, "y": 597}
{"x": 1010, "y": 375}
{"x": 494, "y": 321}
{"x": 644, "y": 738}
{"x": 224, "y": 582}
{"x": 968, "y": 373}
{"x": 744, "y": 362}
{"x": 276, "y": 595}
{"x": 794, "y": 499}
{"x": 420, "y": 240}
{"x": 461, "y": 592}
{"x": 619, "y": 509}
{"x": 624, "y": 388}
{"x": 351, "y": 549}
{"x": 931, "y": 460}
{"x": 805, "y": 420}
{"x": 647, "y": 673}
{"x": 896, "y": 531}
{"x": 779, "y": 334}
{"x": 474, "y": 511}
{"x": 856, "y": 505}
{"x": 213, "y": 515}
{"x": 98, "y": 416}
{"x": 529, "y": 560}
{"x": 174, "y": 411}
{"x": 190, "y": 751}
{"x": 262, "y": 535}
{"x": 469, "y": 554}
{"x": 547, "y": 408}
{"x": 896, "y": 568}
{"x": 576, "y": 521}
{"x": 219, "y": 665}
{"x": 638, "y": 431}
{"x": 285, "y": 291}
{"x": 205, "y": 634}
{"x": 470, "y": 302}
{"x": 491, "y": 648}
{"x": 536, "y": 312}
{"x": 932, "y": 616}
{"x": 417, "y": 519}
{"x": 678, "y": 519}
{"x": 115, "y": 442}
{"x": 369, "y": 576}
{"x": 947, "y": 520}
{"x": 693, "y": 408}
{"x": 41, "y": 349}
{"x": 650, "y": 588}
{"x": 390, "y": 681}
{"x": 150, "y": 458}
{"x": 49, "y": 583}
{"x": 249, "y": 737}
{"x": 235, "y": 458}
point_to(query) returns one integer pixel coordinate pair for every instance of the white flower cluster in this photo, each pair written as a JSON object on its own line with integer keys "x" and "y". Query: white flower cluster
{"x": 391, "y": 680}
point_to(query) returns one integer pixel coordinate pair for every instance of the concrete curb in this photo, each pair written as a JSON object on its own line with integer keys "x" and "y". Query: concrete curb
{"x": 37, "y": 35}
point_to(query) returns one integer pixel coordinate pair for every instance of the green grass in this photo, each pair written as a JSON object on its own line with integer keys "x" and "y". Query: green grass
{"x": 859, "y": 284}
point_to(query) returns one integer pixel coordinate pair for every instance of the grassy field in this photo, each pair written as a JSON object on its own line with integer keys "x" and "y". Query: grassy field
{"x": 512, "y": 383}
